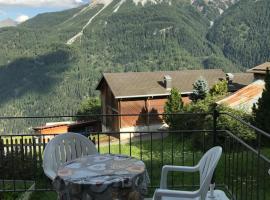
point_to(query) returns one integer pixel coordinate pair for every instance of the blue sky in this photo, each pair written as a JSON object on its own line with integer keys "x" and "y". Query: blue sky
{"x": 22, "y": 9}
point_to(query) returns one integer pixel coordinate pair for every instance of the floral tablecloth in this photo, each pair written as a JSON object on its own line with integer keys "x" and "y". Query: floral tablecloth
{"x": 102, "y": 177}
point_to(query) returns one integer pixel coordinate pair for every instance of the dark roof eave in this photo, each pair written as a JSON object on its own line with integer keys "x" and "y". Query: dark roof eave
{"x": 100, "y": 83}
{"x": 147, "y": 95}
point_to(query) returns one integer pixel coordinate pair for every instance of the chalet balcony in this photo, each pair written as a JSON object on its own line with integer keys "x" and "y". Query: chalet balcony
{"x": 242, "y": 172}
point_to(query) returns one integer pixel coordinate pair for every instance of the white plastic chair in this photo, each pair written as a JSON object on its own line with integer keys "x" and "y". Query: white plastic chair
{"x": 206, "y": 167}
{"x": 63, "y": 148}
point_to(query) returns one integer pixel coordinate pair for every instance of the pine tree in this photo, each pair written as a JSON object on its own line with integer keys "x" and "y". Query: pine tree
{"x": 200, "y": 89}
{"x": 89, "y": 106}
{"x": 173, "y": 105}
{"x": 261, "y": 111}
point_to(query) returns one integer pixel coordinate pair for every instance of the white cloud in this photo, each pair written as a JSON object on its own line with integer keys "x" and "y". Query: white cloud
{"x": 22, "y": 18}
{"x": 41, "y": 3}
{"x": 3, "y": 13}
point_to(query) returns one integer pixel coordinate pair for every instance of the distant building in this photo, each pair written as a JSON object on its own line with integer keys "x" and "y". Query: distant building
{"x": 236, "y": 81}
{"x": 245, "y": 98}
{"x": 259, "y": 71}
{"x": 146, "y": 92}
{"x": 63, "y": 127}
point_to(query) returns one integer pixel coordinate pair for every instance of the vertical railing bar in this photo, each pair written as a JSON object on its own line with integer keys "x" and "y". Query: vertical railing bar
{"x": 172, "y": 157}
{"x": 12, "y": 158}
{"x": 151, "y": 156}
{"x": 241, "y": 174}
{"x": 8, "y": 151}
{"x": 141, "y": 157}
{"x": 109, "y": 142}
{"x": 2, "y": 158}
{"x": 162, "y": 149}
{"x": 258, "y": 166}
{"x": 129, "y": 144}
{"x": 204, "y": 142}
{"x": 225, "y": 159}
{"x": 183, "y": 156}
{"x": 233, "y": 160}
{"x": 17, "y": 160}
{"x": 98, "y": 142}
{"x": 264, "y": 188}
{"x": 43, "y": 146}
{"x": 247, "y": 165}
{"x": 119, "y": 144}
{"x": 39, "y": 151}
{"x": 237, "y": 159}
{"x": 215, "y": 116}
{"x": 193, "y": 164}
{"x": 229, "y": 164}
{"x": 35, "y": 157}
{"x": 252, "y": 168}
{"x": 23, "y": 159}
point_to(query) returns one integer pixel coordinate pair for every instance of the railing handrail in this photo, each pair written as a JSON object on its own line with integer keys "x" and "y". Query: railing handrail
{"x": 247, "y": 124}
{"x": 113, "y": 132}
{"x": 105, "y": 115}
{"x": 248, "y": 146}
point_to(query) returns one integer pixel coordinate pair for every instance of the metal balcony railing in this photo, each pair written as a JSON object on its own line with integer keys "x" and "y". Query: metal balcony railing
{"x": 242, "y": 172}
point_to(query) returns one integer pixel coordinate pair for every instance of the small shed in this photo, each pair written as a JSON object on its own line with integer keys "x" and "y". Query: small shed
{"x": 83, "y": 127}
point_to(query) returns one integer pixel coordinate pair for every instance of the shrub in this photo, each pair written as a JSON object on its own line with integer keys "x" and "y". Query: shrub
{"x": 200, "y": 89}
{"x": 172, "y": 106}
{"x": 220, "y": 88}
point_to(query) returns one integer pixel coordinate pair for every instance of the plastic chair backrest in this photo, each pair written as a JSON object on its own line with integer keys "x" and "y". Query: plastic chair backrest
{"x": 63, "y": 148}
{"x": 207, "y": 167}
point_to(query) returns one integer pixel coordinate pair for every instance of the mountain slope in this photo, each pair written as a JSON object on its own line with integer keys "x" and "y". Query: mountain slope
{"x": 212, "y": 9}
{"x": 243, "y": 32}
{"x": 50, "y": 77}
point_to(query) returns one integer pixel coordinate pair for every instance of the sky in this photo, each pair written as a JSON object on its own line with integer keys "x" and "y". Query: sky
{"x": 21, "y": 10}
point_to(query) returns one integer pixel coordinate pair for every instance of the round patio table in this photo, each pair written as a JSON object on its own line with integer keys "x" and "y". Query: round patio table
{"x": 102, "y": 177}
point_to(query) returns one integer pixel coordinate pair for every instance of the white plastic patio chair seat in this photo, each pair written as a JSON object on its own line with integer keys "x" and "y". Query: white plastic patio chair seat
{"x": 218, "y": 195}
{"x": 63, "y": 148}
{"x": 205, "y": 167}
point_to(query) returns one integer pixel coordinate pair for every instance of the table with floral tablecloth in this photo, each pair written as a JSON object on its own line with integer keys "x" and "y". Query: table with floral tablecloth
{"x": 102, "y": 177}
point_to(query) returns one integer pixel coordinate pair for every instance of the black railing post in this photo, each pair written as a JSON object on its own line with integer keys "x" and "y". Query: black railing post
{"x": 215, "y": 118}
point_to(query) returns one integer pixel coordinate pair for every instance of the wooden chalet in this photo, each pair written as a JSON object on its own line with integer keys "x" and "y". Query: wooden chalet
{"x": 145, "y": 92}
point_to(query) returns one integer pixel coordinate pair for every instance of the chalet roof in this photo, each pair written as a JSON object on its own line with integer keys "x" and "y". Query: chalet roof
{"x": 142, "y": 84}
{"x": 260, "y": 69}
{"x": 241, "y": 80}
{"x": 67, "y": 124}
{"x": 245, "y": 97}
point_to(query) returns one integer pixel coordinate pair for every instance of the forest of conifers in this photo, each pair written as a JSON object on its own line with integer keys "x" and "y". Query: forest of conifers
{"x": 41, "y": 75}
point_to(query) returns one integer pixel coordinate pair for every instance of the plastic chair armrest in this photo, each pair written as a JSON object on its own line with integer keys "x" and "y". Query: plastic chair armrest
{"x": 167, "y": 168}
{"x": 174, "y": 193}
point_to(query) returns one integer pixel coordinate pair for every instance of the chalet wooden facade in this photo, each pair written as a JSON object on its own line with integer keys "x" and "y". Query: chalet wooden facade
{"x": 145, "y": 93}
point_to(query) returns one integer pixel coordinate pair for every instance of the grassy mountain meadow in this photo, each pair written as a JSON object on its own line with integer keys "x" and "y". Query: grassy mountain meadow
{"x": 51, "y": 62}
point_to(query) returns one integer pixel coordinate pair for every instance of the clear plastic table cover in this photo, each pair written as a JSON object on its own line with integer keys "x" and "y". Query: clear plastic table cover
{"x": 103, "y": 176}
